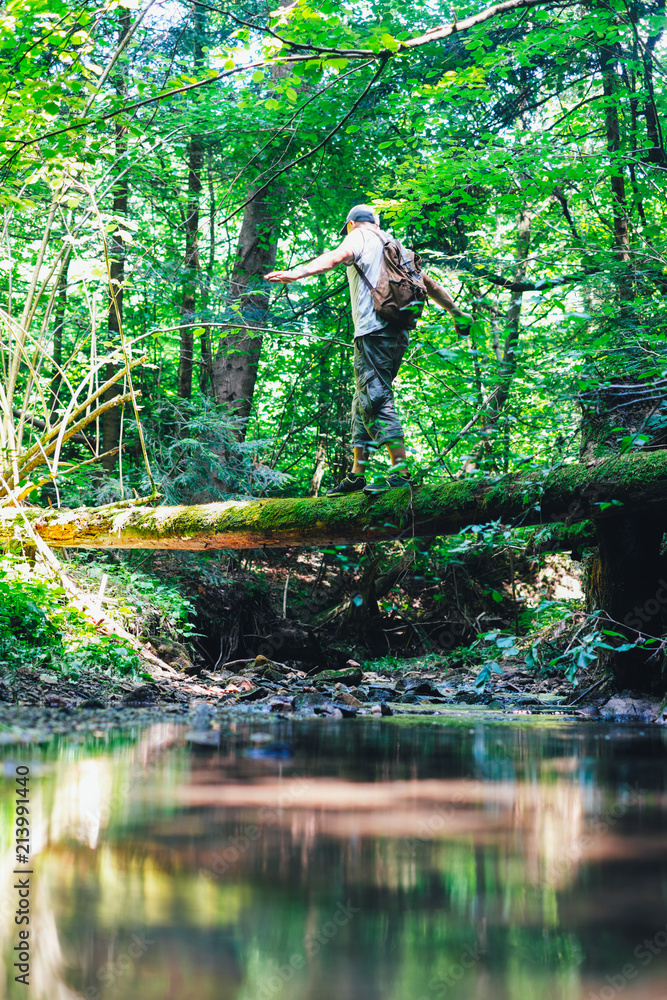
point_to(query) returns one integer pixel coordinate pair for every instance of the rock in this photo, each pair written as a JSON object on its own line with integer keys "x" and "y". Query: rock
{"x": 6, "y": 693}
{"x": 271, "y": 674}
{"x": 409, "y": 698}
{"x": 385, "y": 710}
{"x": 467, "y": 695}
{"x": 381, "y": 694}
{"x": 262, "y": 665}
{"x": 145, "y": 694}
{"x": 282, "y": 704}
{"x": 348, "y": 699}
{"x": 93, "y": 703}
{"x": 330, "y": 711}
{"x": 255, "y": 695}
{"x": 49, "y": 678}
{"x": 236, "y": 684}
{"x": 349, "y": 676}
{"x": 376, "y": 710}
{"x": 309, "y": 700}
{"x": 422, "y": 687}
{"x": 347, "y": 711}
{"x": 626, "y": 708}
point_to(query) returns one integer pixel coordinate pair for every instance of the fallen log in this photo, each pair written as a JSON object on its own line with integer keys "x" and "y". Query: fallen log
{"x": 567, "y": 494}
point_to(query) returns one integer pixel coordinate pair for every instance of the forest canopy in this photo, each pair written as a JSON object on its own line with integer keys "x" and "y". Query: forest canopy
{"x": 157, "y": 160}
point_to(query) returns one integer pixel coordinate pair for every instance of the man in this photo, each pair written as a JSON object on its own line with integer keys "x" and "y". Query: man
{"x": 378, "y": 349}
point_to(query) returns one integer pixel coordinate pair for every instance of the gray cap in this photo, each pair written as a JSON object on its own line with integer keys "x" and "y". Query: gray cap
{"x": 359, "y": 213}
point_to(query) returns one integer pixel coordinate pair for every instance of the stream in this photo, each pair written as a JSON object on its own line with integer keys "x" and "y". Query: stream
{"x": 357, "y": 859}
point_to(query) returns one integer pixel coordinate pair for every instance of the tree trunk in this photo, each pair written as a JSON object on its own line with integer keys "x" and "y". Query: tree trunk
{"x": 205, "y": 378}
{"x": 609, "y": 55}
{"x": 323, "y": 408}
{"x": 191, "y": 259}
{"x": 656, "y": 154}
{"x": 195, "y": 161}
{"x": 626, "y": 573}
{"x": 111, "y": 418}
{"x": 570, "y": 493}
{"x": 627, "y": 582}
{"x": 506, "y": 358}
{"x": 234, "y": 370}
{"x": 59, "y": 326}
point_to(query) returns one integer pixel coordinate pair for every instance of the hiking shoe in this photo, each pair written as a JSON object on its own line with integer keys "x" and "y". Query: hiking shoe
{"x": 351, "y": 484}
{"x": 392, "y": 482}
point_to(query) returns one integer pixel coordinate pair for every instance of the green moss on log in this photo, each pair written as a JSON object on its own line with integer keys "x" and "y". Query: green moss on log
{"x": 567, "y": 494}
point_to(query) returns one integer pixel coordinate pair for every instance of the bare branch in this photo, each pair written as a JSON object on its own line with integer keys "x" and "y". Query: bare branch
{"x": 496, "y": 10}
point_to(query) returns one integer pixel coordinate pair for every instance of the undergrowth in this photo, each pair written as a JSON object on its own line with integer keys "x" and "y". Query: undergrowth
{"x": 40, "y": 627}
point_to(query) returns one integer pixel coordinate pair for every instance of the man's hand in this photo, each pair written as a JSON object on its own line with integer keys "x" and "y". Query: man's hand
{"x": 463, "y": 323}
{"x": 285, "y": 276}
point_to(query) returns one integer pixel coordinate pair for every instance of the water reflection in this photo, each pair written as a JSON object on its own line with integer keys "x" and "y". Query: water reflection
{"x": 358, "y": 860}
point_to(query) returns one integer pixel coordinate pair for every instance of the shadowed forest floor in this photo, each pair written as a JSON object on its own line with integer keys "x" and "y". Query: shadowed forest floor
{"x": 363, "y": 634}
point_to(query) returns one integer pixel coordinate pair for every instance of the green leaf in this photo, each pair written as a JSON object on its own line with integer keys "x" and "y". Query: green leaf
{"x": 258, "y": 76}
{"x": 390, "y": 42}
{"x": 272, "y": 104}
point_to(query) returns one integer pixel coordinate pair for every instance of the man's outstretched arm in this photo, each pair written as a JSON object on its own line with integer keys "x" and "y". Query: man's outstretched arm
{"x": 440, "y": 295}
{"x": 325, "y": 262}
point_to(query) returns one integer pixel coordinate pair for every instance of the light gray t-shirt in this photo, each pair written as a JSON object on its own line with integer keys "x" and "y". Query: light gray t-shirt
{"x": 367, "y": 250}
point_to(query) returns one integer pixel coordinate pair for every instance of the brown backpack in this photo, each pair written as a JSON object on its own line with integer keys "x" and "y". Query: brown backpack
{"x": 400, "y": 294}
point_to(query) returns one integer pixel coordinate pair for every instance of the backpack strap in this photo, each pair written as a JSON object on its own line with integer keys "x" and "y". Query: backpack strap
{"x": 364, "y": 278}
{"x": 358, "y": 269}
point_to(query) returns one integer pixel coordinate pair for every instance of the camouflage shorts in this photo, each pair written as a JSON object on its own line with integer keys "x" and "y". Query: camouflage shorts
{"x": 377, "y": 358}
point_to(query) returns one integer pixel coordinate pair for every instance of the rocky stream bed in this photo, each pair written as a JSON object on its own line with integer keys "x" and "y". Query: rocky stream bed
{"x": 36, "y": 703}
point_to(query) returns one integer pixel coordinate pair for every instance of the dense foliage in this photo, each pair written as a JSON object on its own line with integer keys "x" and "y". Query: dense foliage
{"x": 158, "y": 160}
{"x": 522, "y": 157}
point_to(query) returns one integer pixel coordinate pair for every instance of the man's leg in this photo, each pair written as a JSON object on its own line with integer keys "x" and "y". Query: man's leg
{"x": 361, "y": 442}
{"x": 399, "y": 459}
{"x": 381, "y": 419}
{"x": 361, "y": 460}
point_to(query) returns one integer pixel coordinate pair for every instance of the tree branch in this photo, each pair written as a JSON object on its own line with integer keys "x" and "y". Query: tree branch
{"x": 541, "y": 285}
{"x": 496, "y": 10}
{"x": 315, "y": 149}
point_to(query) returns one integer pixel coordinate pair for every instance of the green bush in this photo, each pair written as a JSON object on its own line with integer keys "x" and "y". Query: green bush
{"x": 40, "y": 628}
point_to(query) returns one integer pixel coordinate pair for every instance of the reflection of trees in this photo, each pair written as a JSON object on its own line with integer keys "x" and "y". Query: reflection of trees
{"x": 225, "y": 864}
